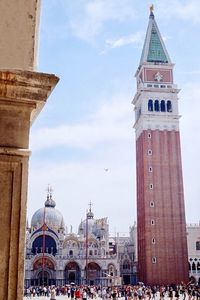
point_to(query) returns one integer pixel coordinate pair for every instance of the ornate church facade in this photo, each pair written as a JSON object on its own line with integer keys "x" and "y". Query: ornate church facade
{"x": 54, "y": 256}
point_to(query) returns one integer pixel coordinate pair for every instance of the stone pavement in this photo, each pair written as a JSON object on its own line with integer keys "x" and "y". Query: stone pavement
{"x": 64, "y": 297}
{"x": 57, "y": 298}
{"x": 46, "y": 298}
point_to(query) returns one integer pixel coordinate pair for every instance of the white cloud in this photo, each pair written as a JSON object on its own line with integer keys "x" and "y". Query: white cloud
{"x": 90, "y": 17}
{"x": 190, "y": 128}
{"x": 185, "y": 10}
{"x": 77, "y": 181}
{"x": 136, "y": 38}
{"x": 110, "y": 123}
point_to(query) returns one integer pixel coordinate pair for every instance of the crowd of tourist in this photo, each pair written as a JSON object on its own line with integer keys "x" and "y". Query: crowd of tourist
{"x": 128, "y": 292}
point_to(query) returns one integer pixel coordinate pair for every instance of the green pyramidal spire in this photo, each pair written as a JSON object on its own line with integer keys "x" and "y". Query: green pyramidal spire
{"x": 154, "y": 48}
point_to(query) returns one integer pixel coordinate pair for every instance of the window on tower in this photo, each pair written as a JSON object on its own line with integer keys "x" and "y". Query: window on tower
{"x": 162, "y": 106}
{"x": 151, "y": 186}
{"x": 151, "y": 204}
{"x": 150, "y": 105}
{"x": 154, "y": 260}
{"x": 198, "y": 245}
{"x": 156, "y": 105}
{"x": 169, "y": 106}
{"x": 152, "y": 222}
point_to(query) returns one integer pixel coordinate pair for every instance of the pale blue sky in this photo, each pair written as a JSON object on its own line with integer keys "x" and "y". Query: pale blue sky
{"x": 94, "y": 46}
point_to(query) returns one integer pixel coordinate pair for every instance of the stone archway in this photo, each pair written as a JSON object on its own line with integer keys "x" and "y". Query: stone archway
{"x": 72, "y": 273}
{"x": 44, "y": 278}
{"x": 43, "y": 272}
{"x": 92, "y": 273}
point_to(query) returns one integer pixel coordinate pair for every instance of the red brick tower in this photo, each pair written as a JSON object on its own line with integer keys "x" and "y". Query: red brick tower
{"x": 162, "y": 244}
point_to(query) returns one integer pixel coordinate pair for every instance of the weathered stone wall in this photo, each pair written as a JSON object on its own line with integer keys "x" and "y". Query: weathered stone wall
{"x": 19, "y": 21}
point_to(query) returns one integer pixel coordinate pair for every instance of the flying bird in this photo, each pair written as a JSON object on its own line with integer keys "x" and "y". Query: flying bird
{"x": 106, "y": 169}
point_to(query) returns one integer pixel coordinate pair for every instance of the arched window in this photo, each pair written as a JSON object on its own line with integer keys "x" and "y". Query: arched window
{"x": 47, "y": 242}
{"x": 150, "y": 105}
{"x": 162, "y": 106}
{"x": 153, "y": 260}
{"x": 151, "y": 204}
{"x": 90, "y": 252}
{"x": 126, "y": 265}
{"x": 70, "y": 252}
{"x": 156, "y": 105}
{"x": 169, "y": 106}
{"x": 198, "y": 267}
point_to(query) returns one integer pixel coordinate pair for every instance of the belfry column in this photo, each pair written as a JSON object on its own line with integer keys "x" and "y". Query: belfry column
{"x": 23, "y": 93}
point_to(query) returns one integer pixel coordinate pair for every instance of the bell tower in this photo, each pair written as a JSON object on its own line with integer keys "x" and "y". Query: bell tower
{"x": 162, "y": 243}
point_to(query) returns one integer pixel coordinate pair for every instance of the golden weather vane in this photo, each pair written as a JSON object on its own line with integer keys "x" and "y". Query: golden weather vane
{"x": 151, "y": 8}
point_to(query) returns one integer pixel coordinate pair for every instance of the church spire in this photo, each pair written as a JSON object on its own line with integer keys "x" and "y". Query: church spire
{"x": 154, "y": 50}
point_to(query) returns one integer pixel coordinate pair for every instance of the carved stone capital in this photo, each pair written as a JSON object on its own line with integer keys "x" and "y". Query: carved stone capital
{"x": 22, "y": 96}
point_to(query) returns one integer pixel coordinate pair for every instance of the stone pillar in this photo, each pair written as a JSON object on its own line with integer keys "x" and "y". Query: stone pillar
{"x": 19, "y": 22}
{"x": 22, "y": 95}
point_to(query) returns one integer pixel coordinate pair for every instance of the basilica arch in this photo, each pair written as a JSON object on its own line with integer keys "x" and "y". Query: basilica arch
{"x": 50, "y": 244}
{"x": 93, "y": 273}
{"x": 71, "y": 242}
{"x": 72, "y": 273}
{"x": 44, "y": 271}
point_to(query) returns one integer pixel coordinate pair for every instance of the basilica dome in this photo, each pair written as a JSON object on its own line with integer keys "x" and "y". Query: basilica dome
{"x": 48, "y": 215}
{"x": 88, "y": 225}
{"x": 92, "y": 226}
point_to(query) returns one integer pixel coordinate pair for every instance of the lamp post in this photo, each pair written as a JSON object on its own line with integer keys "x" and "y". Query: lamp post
{"x": 86, "y": 250}
{"x": 43, "y": 245}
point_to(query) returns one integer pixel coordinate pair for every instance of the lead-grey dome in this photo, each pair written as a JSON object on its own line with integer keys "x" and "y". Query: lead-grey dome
{"x": 48, "y": 215}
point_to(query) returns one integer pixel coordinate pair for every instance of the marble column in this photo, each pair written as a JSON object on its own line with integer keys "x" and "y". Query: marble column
{"x": 22, "y": 95}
